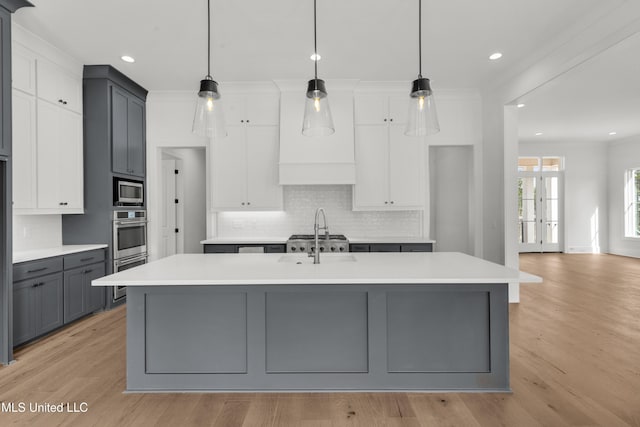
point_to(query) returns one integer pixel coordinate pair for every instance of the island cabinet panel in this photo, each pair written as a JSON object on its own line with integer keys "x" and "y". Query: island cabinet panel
{"x": 318, "y": 337}
{"x": 304, "y": 330}
{"x": 421, "y": 329}
{"x": 214, "y": 324}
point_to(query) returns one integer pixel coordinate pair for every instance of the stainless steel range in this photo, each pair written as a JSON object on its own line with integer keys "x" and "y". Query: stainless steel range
{"x": 304, "y": 243}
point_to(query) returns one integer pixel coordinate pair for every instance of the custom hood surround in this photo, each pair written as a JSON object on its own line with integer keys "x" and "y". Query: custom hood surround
{"x": 321, "y": 160}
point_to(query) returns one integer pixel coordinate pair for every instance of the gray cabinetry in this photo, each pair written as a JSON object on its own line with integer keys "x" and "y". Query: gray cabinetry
{"x": 37, "y": 306}
{"x": 234, "y": 249}
{"x": 391, "y": 247}
{"x": 50, "y": 292}
{"x": 127, "y": 137}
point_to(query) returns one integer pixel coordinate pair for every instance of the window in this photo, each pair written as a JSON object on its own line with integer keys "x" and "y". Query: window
{"x": 536, "y": 164}
{"x": 632, "y": 203}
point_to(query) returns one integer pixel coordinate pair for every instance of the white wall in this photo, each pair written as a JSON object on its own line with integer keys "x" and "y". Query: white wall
{"x": 300, "y": 203}
{"x": 585, "y": 192}
{"x": 623, "y": 155}
{"x": 36, "y": 232}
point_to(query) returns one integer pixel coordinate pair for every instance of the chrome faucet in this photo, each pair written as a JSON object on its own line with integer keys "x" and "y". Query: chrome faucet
{"x": 316, "y": 229}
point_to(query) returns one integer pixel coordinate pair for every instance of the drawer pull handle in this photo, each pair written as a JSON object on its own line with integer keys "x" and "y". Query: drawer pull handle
{"x": 37, "y": 270}
{"x": 87, "y": 259}
{"x": 35, "y": 285}
{"x": 88, "y": 271}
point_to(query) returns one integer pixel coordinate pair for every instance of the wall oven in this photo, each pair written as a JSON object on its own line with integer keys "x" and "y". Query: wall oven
{"x": 129, "y": 243}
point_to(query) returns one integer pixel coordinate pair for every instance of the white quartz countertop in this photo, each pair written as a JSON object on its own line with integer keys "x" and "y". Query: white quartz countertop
{"x": 31, "y": 255}
{"x": 347, "y": 268}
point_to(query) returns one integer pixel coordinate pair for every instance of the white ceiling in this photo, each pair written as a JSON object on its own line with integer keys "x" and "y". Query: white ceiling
{"x": 599, "y": 96}
{"x": 360, "y": 39}
{"x": 264, "y": 40}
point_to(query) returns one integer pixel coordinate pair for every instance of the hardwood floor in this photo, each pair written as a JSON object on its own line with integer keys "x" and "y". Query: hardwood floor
{"x": 575, "y": 361}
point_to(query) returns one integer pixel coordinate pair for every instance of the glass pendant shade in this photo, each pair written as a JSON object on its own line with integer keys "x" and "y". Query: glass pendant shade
{"x": 209, "y": 117}
{"x": 317, "y": 114}
{"x": 422, "y": 117}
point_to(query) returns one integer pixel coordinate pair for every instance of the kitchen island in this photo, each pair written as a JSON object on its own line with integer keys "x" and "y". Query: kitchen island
{"x": 356, "y": 321}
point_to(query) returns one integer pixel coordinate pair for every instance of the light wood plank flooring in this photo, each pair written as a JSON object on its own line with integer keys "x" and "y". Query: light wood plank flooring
{"x": 575, "y": 361}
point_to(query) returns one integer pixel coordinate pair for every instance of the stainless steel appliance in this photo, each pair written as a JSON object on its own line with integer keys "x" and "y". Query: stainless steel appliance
{"x": 304, "y": 243}
{"x": 129, "y": 233}
{"x": 129, "y": 243}
{"x": 127, "y": 193}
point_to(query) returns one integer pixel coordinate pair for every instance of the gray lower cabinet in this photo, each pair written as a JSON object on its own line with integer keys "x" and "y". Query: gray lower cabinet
{"x": 80, "y": 298}
{"x": 37, "y": 307}
{"x": 391, "y": 247}
{"x": 52, "y": 292}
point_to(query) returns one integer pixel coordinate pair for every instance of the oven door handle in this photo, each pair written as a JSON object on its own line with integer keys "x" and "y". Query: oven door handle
{"x": 127, "y": 261}
{"x": 129, "y": 223}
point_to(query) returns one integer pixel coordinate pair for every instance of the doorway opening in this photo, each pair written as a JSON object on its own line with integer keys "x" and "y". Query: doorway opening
{"x": 540, "y": 204}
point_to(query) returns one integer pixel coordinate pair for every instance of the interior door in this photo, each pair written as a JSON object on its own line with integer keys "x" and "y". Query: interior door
{"x": 168, "y": 217}
{"x": 540, "y": 211}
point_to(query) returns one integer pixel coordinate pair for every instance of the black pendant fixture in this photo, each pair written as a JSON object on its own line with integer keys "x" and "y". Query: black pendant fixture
{"x": 423, "y": 118}
{"x": 317, "y": 115}
{"x": 209, "y": 117}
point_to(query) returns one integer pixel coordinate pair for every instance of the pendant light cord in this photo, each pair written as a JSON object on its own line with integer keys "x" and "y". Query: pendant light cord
{"x": 209, "y": 39}
{"x": 315, "y": 39}
{"x": 419, "y": 39}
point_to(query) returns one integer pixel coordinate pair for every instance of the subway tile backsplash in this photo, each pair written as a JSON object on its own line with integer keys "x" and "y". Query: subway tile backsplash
{"x": 300, "y": 203}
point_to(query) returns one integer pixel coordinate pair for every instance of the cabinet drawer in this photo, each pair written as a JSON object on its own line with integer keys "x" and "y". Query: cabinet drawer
{"x": 416, "y": 247}
{"x": 358, "y": 248}
{"x": 27, "y": 270}
{"x": 385, "y": 247}
{"x": 220, "y": 249}
{"x": 83, "y": 258}
{"x": 275, "y": 249}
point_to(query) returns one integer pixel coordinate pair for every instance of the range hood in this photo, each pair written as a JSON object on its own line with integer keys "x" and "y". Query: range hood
{"x": 316, "y": 160}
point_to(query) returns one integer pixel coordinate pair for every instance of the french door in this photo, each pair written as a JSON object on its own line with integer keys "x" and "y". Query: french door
{"x": 540, "y": 211}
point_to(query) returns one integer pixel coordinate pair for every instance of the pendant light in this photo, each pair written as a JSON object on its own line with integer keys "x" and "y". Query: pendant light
{"x": 317, "y": 115}
{"x": 209, "y": 117}
{"x": 423, "y": 118}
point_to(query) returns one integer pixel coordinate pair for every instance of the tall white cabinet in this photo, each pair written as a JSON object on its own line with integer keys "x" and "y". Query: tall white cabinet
{"x": 389, "y": 165}
{"x": 47, "y": 129}
{"x": 244, "y": 165}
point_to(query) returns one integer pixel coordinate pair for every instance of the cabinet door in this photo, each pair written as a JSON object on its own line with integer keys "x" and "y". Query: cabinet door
{"x": 23, "y": 69}
{"x": 70, "y": 161}
{"x": 136, "y": 139}
{"x": 371, "y": 109}
{"x": 49, "y": 304}
{"x": 263, "y": 109}
{"x": 95, "y": 294}
{"x": 24, "y": 327}
{"x": 24, "y": 150}
{"x": 119, "y": 131}
{"x": 263, "y": 190}
{"x": 58, "y": 86}
{"x": 399, "y": 109}
{"x": 372, "y": 167}
{"x": 406, "y": 165}
{"x": 229, "y": 170}
{"x": 74, "y": 294}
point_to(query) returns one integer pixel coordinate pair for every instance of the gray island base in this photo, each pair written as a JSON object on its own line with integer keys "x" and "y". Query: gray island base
{"x": 230, "y": 326}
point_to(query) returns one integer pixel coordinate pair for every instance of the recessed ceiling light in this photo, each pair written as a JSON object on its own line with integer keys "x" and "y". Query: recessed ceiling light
{"x": 538, "y": 133}
{"x": 495, "y": 56}
{"x": 315, "y": 57}
{"x": 613, "y": 133}
{"x": 127, "y": 58}
{"x": 521, "y": 105}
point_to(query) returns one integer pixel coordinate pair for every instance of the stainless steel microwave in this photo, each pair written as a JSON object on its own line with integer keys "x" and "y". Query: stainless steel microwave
{"x": 128, "y": 193}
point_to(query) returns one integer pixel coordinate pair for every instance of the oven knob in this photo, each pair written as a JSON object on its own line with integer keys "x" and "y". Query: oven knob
{"x": 313, "y": 248}
{"x": 333, "y": 248}
{"x": 292, "y": 248}
{"x": 321, "y": 248}
{"x": 341, "y": 248}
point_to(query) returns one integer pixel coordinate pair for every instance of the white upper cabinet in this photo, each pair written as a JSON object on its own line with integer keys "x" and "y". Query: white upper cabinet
{"x": 58, "y": 86}
{"x": 23, "y": 69}
{"x": 47, "y": 129}
{"x": 389, "y": 165}
{"x": 244, "y": 165}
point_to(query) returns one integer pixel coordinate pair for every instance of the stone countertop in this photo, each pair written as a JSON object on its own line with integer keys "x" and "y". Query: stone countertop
{"x": 347, "y": 268}
{"x": 34, "y": 254}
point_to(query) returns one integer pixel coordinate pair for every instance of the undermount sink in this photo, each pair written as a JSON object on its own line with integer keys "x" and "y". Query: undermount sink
{"x": 324, "y": 258}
